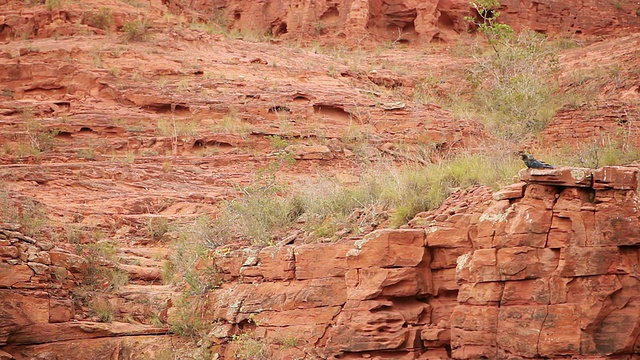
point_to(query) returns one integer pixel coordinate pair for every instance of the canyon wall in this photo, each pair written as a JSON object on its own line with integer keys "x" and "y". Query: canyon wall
{"x": 349, "y": 22}
{"x": 409, "y": 21}
{"x": 554, "y": 273}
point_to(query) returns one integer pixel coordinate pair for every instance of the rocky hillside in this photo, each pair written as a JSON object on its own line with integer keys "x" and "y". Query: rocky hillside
{"x": 126, "y": 125}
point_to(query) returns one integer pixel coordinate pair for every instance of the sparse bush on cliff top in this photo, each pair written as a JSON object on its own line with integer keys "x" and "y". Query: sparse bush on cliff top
{"x": 612, "y": 150}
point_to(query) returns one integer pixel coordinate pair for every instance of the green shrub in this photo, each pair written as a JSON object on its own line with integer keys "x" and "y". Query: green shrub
{"x": 247, "y": 347}
{"x": 190, "y": 317}
{"x": 278, "y": 142}
{"x": 425, "y": 90}
{"x": 290, "y": 341}
{"x": 88, "y": 154}
{"x": 157, "y": 227}
{"x": 101, "y": 307}
{"x": 597, "y": 153}
{"x": 260, "y": 211}
{"x": 168, "y": 272}
{"x": 74, "y": 234}
{"x": 208, "y": 231}
{"x": 515, "y": 91}
{"x": 495, "y": 32}
{"x": 40, "y": 139}
{"x": 175, "y": 127}
{"x": 137, "y": 30}
{"x": 103, "y": 19}
{"x": 31, "y": 215}
{"x": 188, "y": 252}
{"x": 101, "y": 275}
{"x": 232, "y": 123}
{"x": 516, "y": 94}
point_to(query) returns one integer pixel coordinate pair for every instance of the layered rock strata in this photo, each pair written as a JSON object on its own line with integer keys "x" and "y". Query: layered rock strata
{"x": 546, "y": 268}
{"x": 41, "y": 316}
{"x": 554, "y": 271}
{"x": 407, "y": 21}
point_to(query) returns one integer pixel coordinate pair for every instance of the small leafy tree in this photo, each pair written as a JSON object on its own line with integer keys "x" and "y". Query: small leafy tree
{"x": 488, "y": 23}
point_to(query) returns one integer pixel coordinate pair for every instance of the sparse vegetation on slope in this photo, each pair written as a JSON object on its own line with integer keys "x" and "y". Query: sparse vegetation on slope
{"x": 31, "y": 215}
{"x": 392, "y": 151}
{"x": 614, "y": 149}
{"x": 137, "y": 30}
{"x": 329, "y": 209}
{"x": 515, "y": 89}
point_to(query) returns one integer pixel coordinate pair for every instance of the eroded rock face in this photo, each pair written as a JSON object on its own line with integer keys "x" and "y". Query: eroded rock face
{"x": 41, "y": 317}
{"x": 407, "y": 21}
{"x": 546, "y": 268}
{"x": 388, "y": 294}
{"x": 404, "y": 21}
{"x": 557, "y": 282}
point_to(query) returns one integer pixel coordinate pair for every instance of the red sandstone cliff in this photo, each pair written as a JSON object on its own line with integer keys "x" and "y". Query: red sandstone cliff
{"x": 546, "y": 269}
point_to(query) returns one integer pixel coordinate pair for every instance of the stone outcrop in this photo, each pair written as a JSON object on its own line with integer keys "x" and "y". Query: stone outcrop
{"x": 554, "y": 272}
{"x": 353, "y": 21}
{"x": 41, "y": 313}
{"x": 172, "y": 126}
{"x": 545, "y": 268}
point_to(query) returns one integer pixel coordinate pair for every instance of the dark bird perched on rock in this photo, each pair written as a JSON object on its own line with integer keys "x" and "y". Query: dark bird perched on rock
{"x": 532, "y": 163}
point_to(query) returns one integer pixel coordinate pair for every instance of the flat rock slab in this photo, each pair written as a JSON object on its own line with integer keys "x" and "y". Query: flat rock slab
{"x": 564, "y": 176}
{"x": 51, "y": 332}
{"x": 607, "y": 177}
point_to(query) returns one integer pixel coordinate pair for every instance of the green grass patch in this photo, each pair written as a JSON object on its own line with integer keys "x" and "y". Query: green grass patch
{"x": 247, "y": 346}
{"x": 177, "y": 127}
{"x": 31, "y": 215}
{"x": 233, "y": 124}
{"x": 101, "y": 273}
{"x": 189, "y": 318}
{"x": 601, "y": 152}
{"x": 278, "y": 142}
{"x": 189, "y": 251}
{"x": 157, "y": 227}
{"x": 102, "y": 308}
